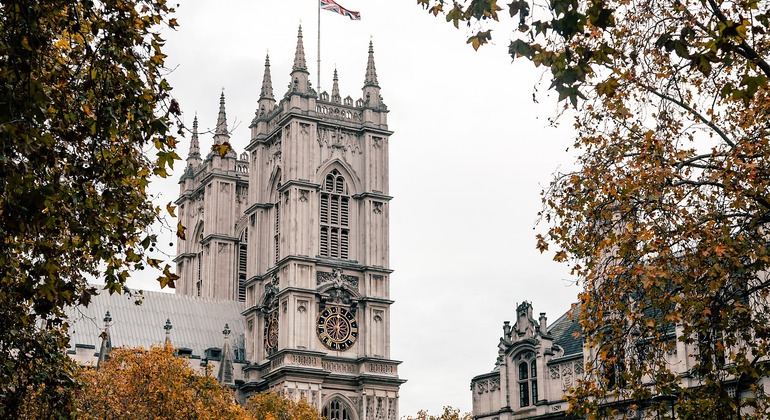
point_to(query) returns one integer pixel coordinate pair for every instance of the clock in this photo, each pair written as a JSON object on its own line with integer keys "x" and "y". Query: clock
{"x": 337, "y": 328}
{"x": 271, "y": 332}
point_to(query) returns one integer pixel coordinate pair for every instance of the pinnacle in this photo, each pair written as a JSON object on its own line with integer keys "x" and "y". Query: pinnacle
{"x": 335, "y": 88}
{"x": 267, "y": 84}
{"x": 299, "y": 55}
{"x": 194, "y": 145}
{"x": 221, "y": 129}
{"x": 371, "y": 71}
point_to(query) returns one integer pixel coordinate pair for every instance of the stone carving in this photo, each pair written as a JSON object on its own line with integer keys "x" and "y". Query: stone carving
{"x": 370, "y": 408}
{"x": 269, "y": 301}
{"x": 392, "y": 409}
{"x": 302, "y": 360}
{"x": 338, "y": 140}
{"x": 277, "y": 362}
{"x": 338, "y": 112}
{"x": 340, "y": 367}
{"x": 273, "y": 152}
{"x": 566, "y": 375}
{"x": 494, "y": 384}
{"x": 381, "y": 368}
{"x": 554, "y": 372}
{"x": 377, "y": 207}
{"x": 337, "y": 277}
{"x": 579, "y": 368}
{"x": 481, "y": 387}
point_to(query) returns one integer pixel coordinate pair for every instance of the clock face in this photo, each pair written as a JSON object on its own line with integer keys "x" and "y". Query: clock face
{"x": 337, "y": 328}
{"x": 271, "y": 332}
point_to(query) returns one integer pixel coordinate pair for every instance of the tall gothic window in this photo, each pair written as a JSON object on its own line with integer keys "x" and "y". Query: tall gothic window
{"x": 199, "y": 279}
{"x": 276, "y": 233}
{"x": 242, "y": 255}
{"x": 527, "y": 378}
{"x": 335, "y": 216}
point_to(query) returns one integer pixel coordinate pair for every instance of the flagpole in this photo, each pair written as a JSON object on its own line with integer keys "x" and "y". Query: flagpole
{"x": 319, "y": 46}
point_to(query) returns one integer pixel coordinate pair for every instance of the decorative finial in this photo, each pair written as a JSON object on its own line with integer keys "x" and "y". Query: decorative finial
{"x": 107, "y": 318}
{"x": 226, "y": 331}
{"x": 168, "y": 327}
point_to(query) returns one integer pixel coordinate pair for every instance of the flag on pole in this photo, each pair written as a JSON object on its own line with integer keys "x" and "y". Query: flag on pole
{"x": 332, "y": 6}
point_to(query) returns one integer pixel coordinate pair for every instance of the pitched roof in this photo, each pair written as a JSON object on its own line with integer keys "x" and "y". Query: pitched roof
{"x": 197, "y": 322}
{"x": 564, "y": 330}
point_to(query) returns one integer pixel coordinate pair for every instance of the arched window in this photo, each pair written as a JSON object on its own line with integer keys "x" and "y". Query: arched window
{"x": 335, "y": 217}
{"x": 336, "y": 410}
{"x": 242, "y": 256}
{"x": 614, "y": 365}
{"x": 527, "y": 378}
{"x": 277, "y": 232}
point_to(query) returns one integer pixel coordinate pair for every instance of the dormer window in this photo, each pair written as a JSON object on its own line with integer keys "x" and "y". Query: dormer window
{"x": 527, "y": 378}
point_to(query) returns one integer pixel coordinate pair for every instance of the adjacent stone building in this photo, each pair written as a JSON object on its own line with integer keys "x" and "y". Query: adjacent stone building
{"x": 292, "y": 234}
{"x": 535, "y": 365}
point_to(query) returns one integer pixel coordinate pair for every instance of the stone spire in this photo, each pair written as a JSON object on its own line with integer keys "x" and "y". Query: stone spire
{"x": 195, "y": 149}
{"x": 300, "y": 82}
{"x": 221, "y": 135}
{"x": 267, "y": 84}
{"x": 371, "y": 87}
{"x": 336, "y": 89}
{"x": 299, "y": 55}
{"x": 371, "y": 71}
{"x": 106, "y": 346}
{"x": 225, "y": 374}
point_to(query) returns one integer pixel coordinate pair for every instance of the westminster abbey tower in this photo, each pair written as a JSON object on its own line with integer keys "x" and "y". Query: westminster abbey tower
{"x": 296, "y": 227}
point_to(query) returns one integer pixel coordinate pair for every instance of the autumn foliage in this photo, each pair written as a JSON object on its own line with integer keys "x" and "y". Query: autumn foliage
{"x": 449, "y": 413}
{"x": 135, "y": 383}
{"x": 666, "y": 221}
{"x": 86, "y": 120}
{"x": 270, "y": 406}
{"x": 142, "y": 384}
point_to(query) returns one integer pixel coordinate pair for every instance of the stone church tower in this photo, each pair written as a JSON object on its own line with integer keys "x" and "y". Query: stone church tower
{"x": 297, "y": 228}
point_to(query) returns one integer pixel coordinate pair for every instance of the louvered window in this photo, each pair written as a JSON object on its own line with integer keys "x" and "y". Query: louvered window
{"x": 335, "y": 217}
{"x": 276, "y": 236}
{"x": 199, "y": 281}
{"x": 242, "y": 255}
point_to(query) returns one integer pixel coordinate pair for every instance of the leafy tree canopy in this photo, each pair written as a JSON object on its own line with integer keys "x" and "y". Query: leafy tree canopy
{"x": 270, "y": 406}
{"x": 84, "y": 125}
{"x": 144, "y": 384}
{"x": 666, "y": 222}
{"x": 449, "y": 413}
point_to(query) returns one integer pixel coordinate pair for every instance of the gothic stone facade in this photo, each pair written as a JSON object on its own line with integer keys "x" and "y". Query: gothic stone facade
{"x": 296, "y": 227}
{"x": 537, "y": 363}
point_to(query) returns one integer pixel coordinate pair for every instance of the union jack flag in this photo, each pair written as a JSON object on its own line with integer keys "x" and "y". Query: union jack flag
{"x": 332, "y": 6}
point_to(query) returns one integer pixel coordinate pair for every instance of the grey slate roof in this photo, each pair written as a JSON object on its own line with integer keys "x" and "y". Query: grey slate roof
{"x": 563, "y": 332}
{"x": 197, "y": 322}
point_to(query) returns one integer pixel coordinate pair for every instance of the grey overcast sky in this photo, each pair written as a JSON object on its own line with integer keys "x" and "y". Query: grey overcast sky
{"x": 470, "y": 154}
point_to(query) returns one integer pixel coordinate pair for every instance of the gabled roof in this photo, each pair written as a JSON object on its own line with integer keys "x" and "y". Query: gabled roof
{"x": 563, "y": 331}
{"x": 197, "y": 322}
